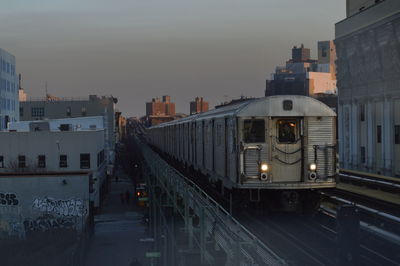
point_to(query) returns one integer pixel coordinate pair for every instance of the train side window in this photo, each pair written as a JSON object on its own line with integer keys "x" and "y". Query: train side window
{"x": 254, "y": 131}
{"x": 287, "y": 131}
{"x": 379, "y": 134}
{"x": 362, "y": 154}
{"x": 362, "y": 112}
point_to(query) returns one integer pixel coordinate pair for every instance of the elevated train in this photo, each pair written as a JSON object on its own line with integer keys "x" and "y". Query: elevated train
{"x": 273, "y": 149}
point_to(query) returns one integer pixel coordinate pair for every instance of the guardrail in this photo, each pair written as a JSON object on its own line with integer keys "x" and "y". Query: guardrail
{"x": 239, "y": 244}
{"x": 364, "y": 208}
{"x": 389, "y": 185}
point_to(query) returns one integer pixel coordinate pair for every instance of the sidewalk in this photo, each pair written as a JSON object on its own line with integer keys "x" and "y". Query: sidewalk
{"x": 118, "y": 229}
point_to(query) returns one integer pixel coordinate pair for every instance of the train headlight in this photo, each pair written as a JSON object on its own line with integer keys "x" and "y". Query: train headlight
{"x": 264, "y": 167}
{"x": 313, "y": 167}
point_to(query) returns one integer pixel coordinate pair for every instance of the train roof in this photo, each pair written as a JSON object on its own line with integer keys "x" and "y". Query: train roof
{"x": 267, "y": 106}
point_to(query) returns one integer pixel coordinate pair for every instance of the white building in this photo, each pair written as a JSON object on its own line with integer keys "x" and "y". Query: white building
{"x": 56, "y": 152}
{"x": 57, "y": 108}
{"x": 63, "y": 124}
{"x": 9, "y": 95}
{"x": 368, "y": 70}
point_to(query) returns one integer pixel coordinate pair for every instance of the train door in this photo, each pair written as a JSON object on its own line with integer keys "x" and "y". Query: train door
{"x": 286, "y": 149}
{"x": 253, "y": 146}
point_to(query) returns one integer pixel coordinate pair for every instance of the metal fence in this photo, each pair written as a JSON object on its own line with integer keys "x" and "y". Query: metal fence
{"x": 208, "y": 226}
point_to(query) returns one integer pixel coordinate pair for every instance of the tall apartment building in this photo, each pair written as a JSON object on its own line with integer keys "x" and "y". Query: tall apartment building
{"x": 9, "y": 97}
{"x": 21, "y": 92}
{"x": 55, "y": 108}
{"x": 301, "y": 54}
{"x": 305, "y": 76}
{"x": 368, "y": 72}
{"x": 160, "y": 111}
{"x": 198, "y": 106}
{"x": 327, "y": 58}
{"x": 160, "y": 108}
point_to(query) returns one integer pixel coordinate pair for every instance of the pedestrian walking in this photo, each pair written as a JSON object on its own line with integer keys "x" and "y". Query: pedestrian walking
{"x": 127, "y": 197}
{"x": 122, "y": 198}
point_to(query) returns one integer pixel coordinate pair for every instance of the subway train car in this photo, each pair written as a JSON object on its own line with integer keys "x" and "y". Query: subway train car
{"x": 277, "y": 147}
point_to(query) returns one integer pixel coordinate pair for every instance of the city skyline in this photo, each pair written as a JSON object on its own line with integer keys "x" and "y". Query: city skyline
{"x": 138, "y": 50}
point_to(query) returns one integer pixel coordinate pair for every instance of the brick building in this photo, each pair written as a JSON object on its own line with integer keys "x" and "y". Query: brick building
{"x": 198, "y": 106}
{"x": 160, "y": 111}
{"x": 160, "y": 108}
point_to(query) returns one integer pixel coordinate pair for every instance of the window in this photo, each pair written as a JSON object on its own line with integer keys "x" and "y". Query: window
{"x": 324, "y": 51}
{"x": 83, "y": 111}
{"x": 100, "y": 158}
{"x": 68, "y": 111}
{"x": 379, "y": 134}
{"x": 63, "y": 161}
{"x": 21, "y": 111}
{"x": 254, "y": 130}
{"x": 21, "y": 161}
{"x": 41, "y": 161}
{"x": 1, "y": 161}
{"x": 85, "y": 160}
{"x": 362, "y": 154}
{"x": 397, "y": 134}
{"x": 37, "y": 111}
{"x": 362, "y": 112}
{"x": 287, "y": 131}
{"x": 219, "y": 135}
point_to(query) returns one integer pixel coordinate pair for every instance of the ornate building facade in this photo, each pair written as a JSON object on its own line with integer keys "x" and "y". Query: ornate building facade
{"x": 368, "y": 74}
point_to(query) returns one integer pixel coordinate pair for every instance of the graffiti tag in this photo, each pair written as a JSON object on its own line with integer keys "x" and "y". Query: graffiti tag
{"x": 48, "y": 223}
{"x": 8, "y": 199}
{"x": 70, "y": 207}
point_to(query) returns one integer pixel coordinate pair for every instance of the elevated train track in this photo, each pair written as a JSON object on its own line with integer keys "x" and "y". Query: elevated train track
{"x": 236, "y": 149}
{"x": 306, "y": 240}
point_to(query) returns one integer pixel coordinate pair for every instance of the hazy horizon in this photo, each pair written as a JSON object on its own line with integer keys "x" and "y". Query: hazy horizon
{"x": 138, "y": 50}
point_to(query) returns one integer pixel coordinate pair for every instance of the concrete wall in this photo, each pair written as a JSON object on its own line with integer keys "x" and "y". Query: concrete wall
{"x": 368, "y": 71}
{"x": 354, "y": 6}
{"x": 370, "y": 16}
{"x": 42, "y": 203}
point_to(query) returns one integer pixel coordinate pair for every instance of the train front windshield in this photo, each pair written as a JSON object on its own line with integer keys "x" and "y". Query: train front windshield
{"x": 287, "y": 131}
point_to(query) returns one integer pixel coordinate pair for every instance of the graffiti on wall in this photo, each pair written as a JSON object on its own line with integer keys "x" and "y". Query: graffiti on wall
{"x": 72, "y": 207}
{"x": 48, "y": 222}
{"x": 8, "y": 199}
{"x": 12, "y": 229}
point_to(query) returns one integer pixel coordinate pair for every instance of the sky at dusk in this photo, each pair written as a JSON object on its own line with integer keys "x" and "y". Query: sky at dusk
{"x": 140, "y": 49}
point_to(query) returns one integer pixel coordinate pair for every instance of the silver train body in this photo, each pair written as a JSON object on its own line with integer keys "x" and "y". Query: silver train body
{"x": 275, "y": 143}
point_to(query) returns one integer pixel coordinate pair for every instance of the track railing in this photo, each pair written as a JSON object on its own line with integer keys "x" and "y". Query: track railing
{"x": 214, "y": 225}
